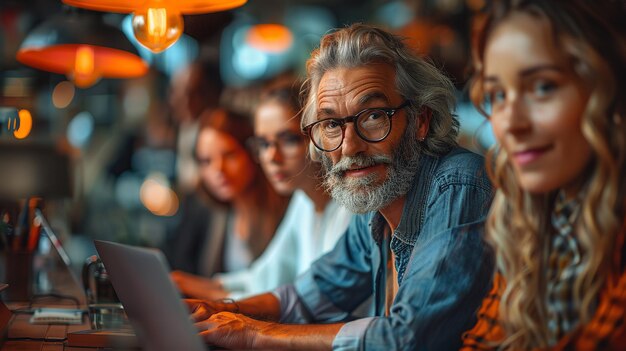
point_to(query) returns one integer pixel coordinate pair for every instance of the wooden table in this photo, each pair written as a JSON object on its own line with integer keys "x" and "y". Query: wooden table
{"x": 22, "y": 335}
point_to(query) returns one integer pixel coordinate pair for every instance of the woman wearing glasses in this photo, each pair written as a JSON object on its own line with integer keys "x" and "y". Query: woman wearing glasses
{"x": 313, "y": 221}
{"x": 553, "y": 73}
{"x": 245, "y": 209}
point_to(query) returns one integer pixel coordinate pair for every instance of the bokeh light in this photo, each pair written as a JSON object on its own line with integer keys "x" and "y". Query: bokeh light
{"x": 157, "y": 196}
{"x": 63, "y": 94}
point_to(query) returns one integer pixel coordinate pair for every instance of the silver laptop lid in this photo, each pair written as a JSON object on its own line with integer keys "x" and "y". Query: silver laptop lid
{"x": 141, "y": 280}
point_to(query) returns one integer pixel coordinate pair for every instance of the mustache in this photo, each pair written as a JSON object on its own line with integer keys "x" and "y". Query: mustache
{"x": 358, "y": 161}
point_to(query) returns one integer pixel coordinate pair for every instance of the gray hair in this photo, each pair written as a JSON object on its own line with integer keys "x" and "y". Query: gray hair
{"x": 416, "y": 79}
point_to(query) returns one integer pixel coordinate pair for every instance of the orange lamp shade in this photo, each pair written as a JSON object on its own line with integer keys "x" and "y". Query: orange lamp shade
{"x": 157, "y": 24}
{"x": 272, "y": 38}
{"x": 82, "y": 47}
{"x": 84, "y": 62}
{"x": 187, "y": 7}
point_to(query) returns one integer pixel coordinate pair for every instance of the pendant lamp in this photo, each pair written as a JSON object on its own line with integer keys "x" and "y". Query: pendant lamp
{"x": 157, "y": 24}
{"x": 83, "y": 47}
{"x": 271, "y": 38}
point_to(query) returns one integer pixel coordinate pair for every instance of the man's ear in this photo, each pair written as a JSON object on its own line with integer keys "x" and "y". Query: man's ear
{"x": 314, "y": 153}
{"x": 423, "y": 122}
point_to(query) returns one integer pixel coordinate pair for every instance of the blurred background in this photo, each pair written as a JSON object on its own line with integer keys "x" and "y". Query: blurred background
{"x": 120, "y": 135}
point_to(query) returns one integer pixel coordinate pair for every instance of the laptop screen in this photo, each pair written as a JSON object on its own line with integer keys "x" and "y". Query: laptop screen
{"x": 54, "y": 240}
{"x": 141, "y": 279}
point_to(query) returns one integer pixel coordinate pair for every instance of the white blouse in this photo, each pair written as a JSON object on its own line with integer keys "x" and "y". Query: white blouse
{"x": 302, "y": 236}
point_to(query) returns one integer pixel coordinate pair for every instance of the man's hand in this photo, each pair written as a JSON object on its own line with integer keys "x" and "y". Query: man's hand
{"x": 219, "y": 325}
{"x": 202, "y": 310}
{"x": 197, "y": 287}
{"x": 232, "y": 331}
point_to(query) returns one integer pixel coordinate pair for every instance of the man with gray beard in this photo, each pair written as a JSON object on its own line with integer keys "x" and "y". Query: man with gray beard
{"x": 402, "y": 167}
{"x": 379, "y": 119}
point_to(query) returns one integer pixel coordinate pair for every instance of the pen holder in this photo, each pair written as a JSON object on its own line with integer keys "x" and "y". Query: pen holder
{"x": 19, "y": 275}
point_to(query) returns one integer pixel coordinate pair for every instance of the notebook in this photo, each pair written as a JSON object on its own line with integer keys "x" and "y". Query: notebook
{"x": 141, "y": 280}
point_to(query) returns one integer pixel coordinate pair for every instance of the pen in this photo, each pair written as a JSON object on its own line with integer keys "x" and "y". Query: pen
{"x": 8, "y": 229}
{"x": 3, "y": 231}
{"x": 35, "y": 232}
{"x": 20, "y": 241}
{"x": 34, "y": 225}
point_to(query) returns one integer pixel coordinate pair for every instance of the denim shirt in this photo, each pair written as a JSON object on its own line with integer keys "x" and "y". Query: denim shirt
{"x": 444, "y": 268}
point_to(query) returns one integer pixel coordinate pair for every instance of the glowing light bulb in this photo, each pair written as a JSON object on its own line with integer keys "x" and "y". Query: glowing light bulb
{"x": 157, "y": 28}
{"x": 84, "y": 74}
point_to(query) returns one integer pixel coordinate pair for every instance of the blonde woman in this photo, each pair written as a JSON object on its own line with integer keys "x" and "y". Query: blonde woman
{"x": 553, "y": 74}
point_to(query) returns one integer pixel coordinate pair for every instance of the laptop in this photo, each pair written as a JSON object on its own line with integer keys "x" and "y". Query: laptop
{"x": 54, "y": 240}
{"x": 141, "y": 280}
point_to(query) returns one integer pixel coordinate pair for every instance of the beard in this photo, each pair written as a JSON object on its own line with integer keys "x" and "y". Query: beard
{"x": 366, "y": 194}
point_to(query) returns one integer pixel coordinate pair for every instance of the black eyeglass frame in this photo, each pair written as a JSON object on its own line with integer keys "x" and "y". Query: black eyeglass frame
{"x": 390, "y": 112}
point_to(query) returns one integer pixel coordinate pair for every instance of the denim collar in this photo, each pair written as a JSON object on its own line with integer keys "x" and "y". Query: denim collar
{"x": 414, "y": 206}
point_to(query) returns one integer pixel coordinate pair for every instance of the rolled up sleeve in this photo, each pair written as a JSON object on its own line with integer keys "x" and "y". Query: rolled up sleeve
{"x": 352, "y": 334}
{"x": 336, "y": 283}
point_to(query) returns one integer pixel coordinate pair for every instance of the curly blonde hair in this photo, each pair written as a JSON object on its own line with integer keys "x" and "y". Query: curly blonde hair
{"x": 591, "y": 36}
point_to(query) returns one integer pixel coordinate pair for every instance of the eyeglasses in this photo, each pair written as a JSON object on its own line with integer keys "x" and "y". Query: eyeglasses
{"x": 288, "y": 143}
{"x": 372, "y": 125}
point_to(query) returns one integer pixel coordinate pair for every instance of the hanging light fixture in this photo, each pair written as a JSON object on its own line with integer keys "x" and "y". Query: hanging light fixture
{"x": 83, "y": 47}
{"x": 270, "y": 35}
{"x": 270, "y": 38}
{"x": 157, "y": 24}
